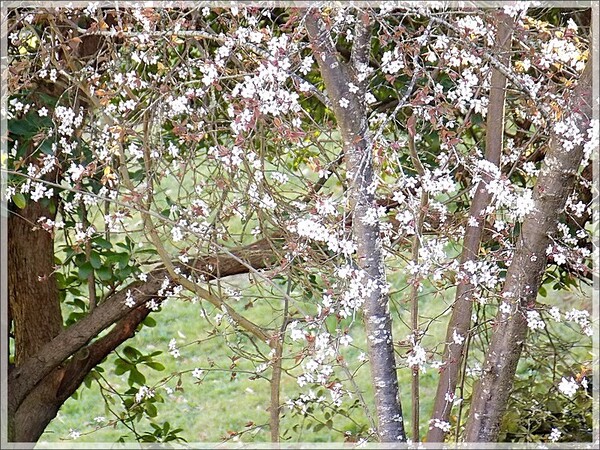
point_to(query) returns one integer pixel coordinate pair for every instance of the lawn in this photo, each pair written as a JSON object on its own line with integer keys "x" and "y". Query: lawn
{"x": 223, "y": 406}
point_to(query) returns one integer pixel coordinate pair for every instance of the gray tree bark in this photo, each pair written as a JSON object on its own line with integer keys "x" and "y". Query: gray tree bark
{"x": 460, "y": 320}
{"x": 524, "y": 276}
{"x": 353, "y": 126}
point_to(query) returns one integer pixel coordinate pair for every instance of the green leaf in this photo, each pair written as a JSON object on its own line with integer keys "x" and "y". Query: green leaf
{"x": 131, "y": 353}
{"x": 542, "y": 292}
{"x": 151, "y": 251}
{"x": 52, "y": 206}
{"x": 104, "y": 273}
{"x": 79, "y": 303}
{"x": 19, "y": 200}
{"x": 80, "y": 259}
{"x": 46, "y": 147}
{"x": 121, "y": 369}
{"x": 135, "y": 376}
{"x": 102, "y": 243}
{"x": 125, "y": 273}
{"x": 59, "y": 276}
{"x": 85, "y": 270}
{"x": 149, "y": 322}
{"x": 74, "y": 290}
{"x": 151, "y": 410}
{"x": 95, "y": 260}
{"x": 155, "y": 365}
{"x": 22, "y": 127}
{"x": 123, "y": 259}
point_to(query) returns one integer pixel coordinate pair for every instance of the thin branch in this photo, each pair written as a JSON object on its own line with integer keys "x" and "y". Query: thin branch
{"x": 498, "y": 64}
{"x": 524, "y": 275}
{"x": 414, "y": 295}
{"x": 199, "y": 34}
{"x": 460, "y": 320}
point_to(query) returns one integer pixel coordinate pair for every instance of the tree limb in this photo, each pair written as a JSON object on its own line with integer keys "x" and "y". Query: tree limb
{"x": 351, "y": 116}
{"x": 23, "y": 378}
{"x": 524, "y": 276}
{"x": 460, "y": 319}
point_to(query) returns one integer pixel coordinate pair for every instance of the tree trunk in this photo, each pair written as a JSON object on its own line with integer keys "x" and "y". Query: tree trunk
{"x": 43, "y": 381}
{"x": 523, "y": 279}
{"x": 37, "y": 410}
{"x": 32, "y": 289}
{"x": 460, "y": 320}
{"x": 353, "y": 126}
{"x": 34, "y": 305}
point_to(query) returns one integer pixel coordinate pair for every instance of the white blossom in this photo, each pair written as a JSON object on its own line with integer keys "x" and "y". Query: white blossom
{"x": 568, "y": 387}
{"x": 554, "y": 435}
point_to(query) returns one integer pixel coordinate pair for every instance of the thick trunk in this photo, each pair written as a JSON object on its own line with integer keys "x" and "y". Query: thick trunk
{"x": 35, "y": 309}
{"x": 37, "y": 410}
{"x": 524, "y": 275}
{"x": 352, "y": 123}
{"x": 460, "y": 320}
{"x": 32, "y": 289}
{"x": 42, "y": 382}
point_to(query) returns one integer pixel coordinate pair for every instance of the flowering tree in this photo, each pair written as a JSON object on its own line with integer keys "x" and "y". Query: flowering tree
{"x": 332, "y": 156}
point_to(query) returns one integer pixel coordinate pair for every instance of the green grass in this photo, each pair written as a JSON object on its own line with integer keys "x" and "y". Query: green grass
{"x": 210, "y": 410}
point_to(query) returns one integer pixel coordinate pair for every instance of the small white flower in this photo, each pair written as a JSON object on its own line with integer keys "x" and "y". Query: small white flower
{"x": 197, "y": 373}
{"x": 129, "y": 300}
{"x": 345, "y": 340}
{"x": 176, "y": 234}
{"x": 505, "y": 308}
{"x": 534, "y": 320}
{"x": 442, "y": 425}
{"x": 74, "y": 434}
{"x": 417, "y": 357}
{"x": 324, "y": 173}
{"x": 144, "y": 392}
{"x": 555, "y": 435}
{"x": 568, "y": 387}
{"x": 344, "y": 103}
{"x": 555, "y": 313}
{"x": 457, "y": 338}
{"x": 43, "y": 111}
{"x": 173, "y": 350}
